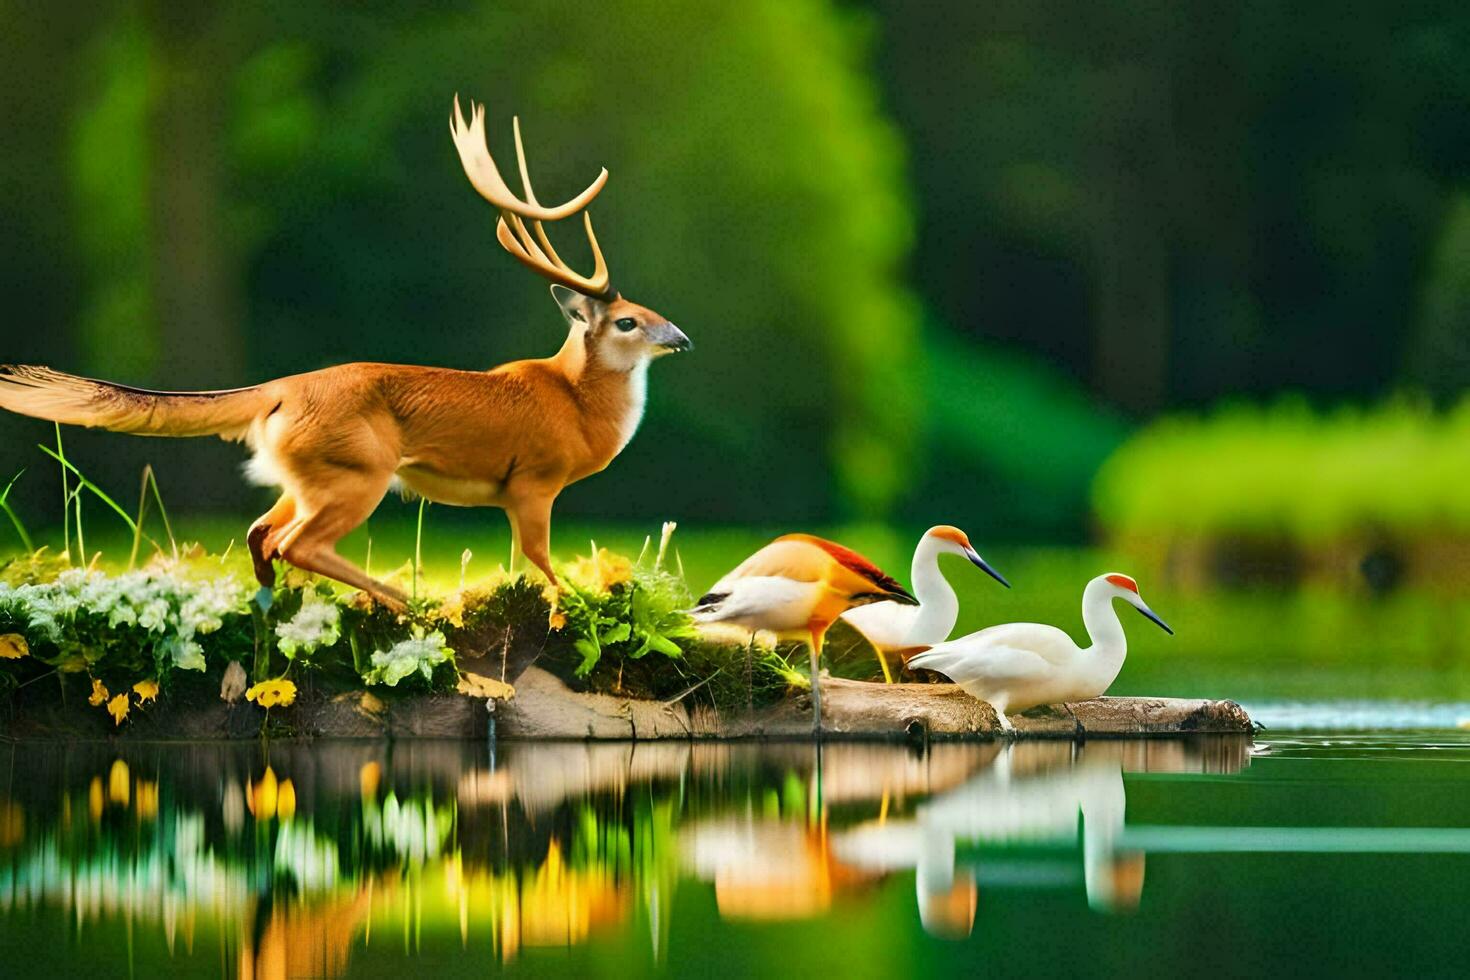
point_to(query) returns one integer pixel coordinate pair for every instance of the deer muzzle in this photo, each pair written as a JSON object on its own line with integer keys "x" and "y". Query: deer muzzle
{"x": 669, "y": 337}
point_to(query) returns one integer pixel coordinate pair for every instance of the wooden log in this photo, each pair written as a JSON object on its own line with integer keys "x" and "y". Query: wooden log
{"x": 545, "y": 708}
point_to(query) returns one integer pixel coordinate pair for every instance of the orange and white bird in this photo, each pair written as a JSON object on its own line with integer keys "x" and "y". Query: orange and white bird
{"x": 1020, "y": 665}
{"x": 891, "y": 626}
{"x": 796, "y": 587}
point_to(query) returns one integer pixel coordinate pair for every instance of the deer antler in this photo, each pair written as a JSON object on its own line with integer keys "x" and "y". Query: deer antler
{"x": 530, "y": 246}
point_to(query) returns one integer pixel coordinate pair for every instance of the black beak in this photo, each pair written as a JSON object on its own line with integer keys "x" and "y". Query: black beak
{"x": 1155, "y": 617}
{"x": 984, "y": 566}
{"x": 669, "y": 337}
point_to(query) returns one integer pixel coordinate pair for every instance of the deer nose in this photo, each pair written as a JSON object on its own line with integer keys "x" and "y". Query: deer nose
{"x": 669, "y": 337}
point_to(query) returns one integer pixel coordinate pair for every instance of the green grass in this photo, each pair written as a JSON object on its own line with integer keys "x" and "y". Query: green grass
{"x": 1308, "y": 643}
{"x": 1289, "y": 472}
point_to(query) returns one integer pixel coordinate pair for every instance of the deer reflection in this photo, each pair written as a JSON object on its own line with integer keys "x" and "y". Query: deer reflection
{"x": 302, "y": 853}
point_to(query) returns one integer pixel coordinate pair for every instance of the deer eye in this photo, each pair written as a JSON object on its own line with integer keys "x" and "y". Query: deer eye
{"x": 626, "y": 323}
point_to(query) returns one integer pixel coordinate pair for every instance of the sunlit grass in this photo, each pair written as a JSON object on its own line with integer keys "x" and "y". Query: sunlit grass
{"x": 1290, "y": 472}
{"x": 1307, "y": 643}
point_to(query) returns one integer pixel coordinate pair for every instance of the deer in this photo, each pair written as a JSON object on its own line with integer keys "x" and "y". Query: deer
{"x": 336, "y": 440}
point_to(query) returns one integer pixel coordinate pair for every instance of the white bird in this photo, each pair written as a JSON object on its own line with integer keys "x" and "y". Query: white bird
{"x": 1020, "y": 665}
{"x": 890, "y": 626}
{"x": 796, "y": 587}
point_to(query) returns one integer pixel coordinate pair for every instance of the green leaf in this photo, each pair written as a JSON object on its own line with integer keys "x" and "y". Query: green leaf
{"x": 617, "y": 634}
{"x": 591, "y": 653}
{"x": 664, "y": 645}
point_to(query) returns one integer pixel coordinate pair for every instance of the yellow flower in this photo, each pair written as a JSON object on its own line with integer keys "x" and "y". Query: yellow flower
{"x": 147, "y": 800}
{"x": 368, "y": 778}
{"x": 118, "y": 708}
{"x": 146, "y": 690}
{"x": 118, "y": 782}
{"x": 13, "y": 646}
{"x": 286, "y": 800}
{"x": 600, "y": 571}
{"x": 268, "y": 694}
{"x": 263, "y": 796}
{"x": 99, "y": 693}
{"x": 95, "y": 800}
{"x": 557, "y": 620}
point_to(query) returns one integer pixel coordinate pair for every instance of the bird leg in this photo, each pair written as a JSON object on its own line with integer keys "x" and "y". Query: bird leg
{"x": 883, "y": 662}
{"x": 816, "y": 651}
{"x": 1005, "y": 723}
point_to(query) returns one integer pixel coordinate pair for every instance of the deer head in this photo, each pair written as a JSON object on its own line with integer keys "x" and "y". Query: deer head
{"x": 616, "y": 334}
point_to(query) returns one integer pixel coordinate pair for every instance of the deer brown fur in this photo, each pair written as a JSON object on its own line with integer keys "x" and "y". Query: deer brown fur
{"x": 337, "y": 439}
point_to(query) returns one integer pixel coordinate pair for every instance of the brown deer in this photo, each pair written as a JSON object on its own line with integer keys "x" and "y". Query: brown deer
{"x": 337, "y": 439}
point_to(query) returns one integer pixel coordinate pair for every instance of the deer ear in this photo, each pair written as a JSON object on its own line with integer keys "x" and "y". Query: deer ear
{"x": 577, "y": 307}
{"x": 572, "y": 303}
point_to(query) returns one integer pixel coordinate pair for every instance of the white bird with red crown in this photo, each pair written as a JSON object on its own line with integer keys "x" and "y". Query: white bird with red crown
{"x": 1021, "y": 665}
{"x": 893, "y": 627}
{"x": 796, "y": 587}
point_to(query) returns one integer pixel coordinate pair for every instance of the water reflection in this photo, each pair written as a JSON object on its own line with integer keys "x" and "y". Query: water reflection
{"x": 293, "y": 858}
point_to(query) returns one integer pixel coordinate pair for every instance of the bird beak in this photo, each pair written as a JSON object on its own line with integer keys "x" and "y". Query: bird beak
{"x": 1142, "y": 607}
{"x": 669, "y": 337}
{"x": 984, "y": 566}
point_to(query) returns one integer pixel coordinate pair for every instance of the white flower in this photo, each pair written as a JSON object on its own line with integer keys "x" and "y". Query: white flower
{"x": 154, "y": 615}
{"x": 419, "y": 654}
{"x": 156, "y": 600}
{"x": 317, "y": 624}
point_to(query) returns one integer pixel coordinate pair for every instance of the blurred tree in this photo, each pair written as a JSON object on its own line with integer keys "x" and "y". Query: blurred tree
{"x": 1440, "y": 353}
{"x": 1179, "y": 202}
{"x": 286, "y": 176}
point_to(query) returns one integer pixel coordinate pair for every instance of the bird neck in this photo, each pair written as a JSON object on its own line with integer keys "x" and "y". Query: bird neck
{"x": 1109, "y": 645}
{"x": 939, "y": 607}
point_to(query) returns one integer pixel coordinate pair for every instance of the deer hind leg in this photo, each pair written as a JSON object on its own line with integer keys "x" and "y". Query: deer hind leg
{"x": 530, "y": 517}
{"x": 334, "y": 504}
{"x": 264, "y": 536}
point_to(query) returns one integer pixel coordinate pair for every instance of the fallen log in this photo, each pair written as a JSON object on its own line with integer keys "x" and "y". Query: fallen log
{"x": 543, "y": 707}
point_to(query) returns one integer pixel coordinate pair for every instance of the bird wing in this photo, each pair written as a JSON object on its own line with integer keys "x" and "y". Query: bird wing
{"x": 1047, "y": 642}
{"x": 850, "y": 560}
{"x": 884, "y": 624}
{"x": 988, "y": 667}
{"x": 761, "y": 602}
{"x": 781, "y": 558}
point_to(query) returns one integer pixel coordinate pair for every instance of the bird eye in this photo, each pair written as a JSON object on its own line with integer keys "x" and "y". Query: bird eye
{"x": 626, "y": 323}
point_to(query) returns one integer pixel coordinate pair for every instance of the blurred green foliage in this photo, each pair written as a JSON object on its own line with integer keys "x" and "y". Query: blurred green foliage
{"x": 757, "y": 200}
{"x": 934, "y": 258}
{"x": 1292, "y": 473}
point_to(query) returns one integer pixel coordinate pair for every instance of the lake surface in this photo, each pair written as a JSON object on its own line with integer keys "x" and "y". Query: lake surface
{"x": 1342, "y": 854}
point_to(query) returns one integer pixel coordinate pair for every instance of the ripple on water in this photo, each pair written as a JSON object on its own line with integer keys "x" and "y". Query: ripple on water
{"x": 1360, "y": 715}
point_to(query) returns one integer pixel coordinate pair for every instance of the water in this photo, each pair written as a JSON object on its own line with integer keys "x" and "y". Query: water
{"x": 1343, "y": 854}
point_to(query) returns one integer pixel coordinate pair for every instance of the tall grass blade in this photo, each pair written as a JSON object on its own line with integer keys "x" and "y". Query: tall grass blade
{"x": 65, "y": 498}
{"x": 20, "y": 528}
{"x": 76, "y": 495}
{"x": 418, "y": 548}
{"x": 84, "y": 483}
{"x": 88, "y": 484}
{"x": 151, "y": 480}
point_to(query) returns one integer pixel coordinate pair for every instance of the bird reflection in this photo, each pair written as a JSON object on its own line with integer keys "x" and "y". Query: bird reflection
{"x": 297, "y": 857}
{"x": 1034, "y": 794}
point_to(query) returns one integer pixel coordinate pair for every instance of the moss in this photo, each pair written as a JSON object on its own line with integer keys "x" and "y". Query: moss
{"x": 618, "y": 626}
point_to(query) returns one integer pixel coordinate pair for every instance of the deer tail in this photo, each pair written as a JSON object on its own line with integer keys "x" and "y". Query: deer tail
{"x": 59, "y": 397}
